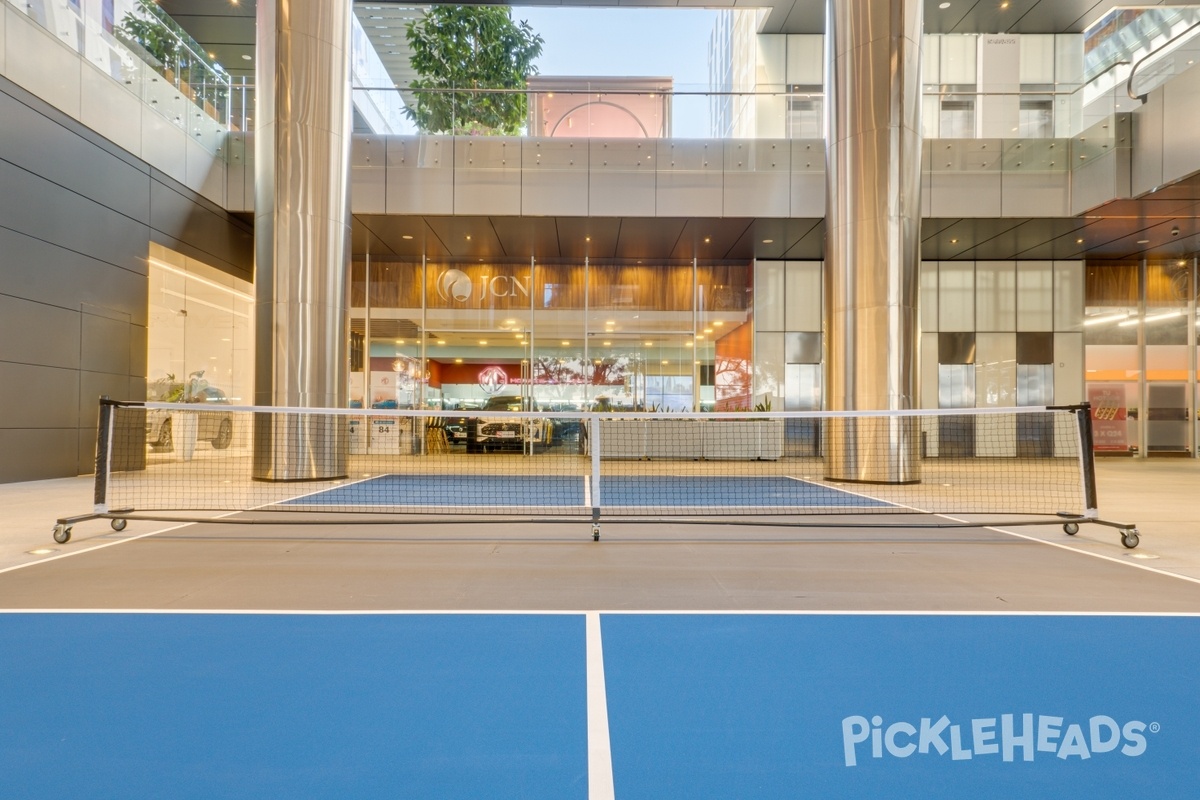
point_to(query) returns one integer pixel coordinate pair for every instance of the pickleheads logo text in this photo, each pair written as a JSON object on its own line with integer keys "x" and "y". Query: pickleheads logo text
{"x": 1009, "y": 737}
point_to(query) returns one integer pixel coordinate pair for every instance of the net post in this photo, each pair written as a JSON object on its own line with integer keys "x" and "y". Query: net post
{"x": 104, "y": 450}
{"x": 594, "y": 442}
{"x": 1087, "y": 459}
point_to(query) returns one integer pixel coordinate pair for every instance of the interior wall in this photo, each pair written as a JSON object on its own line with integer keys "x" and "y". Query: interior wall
{"x": 77, "y": 215}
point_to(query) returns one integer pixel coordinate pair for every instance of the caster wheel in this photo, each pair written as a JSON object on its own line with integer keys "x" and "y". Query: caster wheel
{"x": 119, "y": 524}
{"x": 62, "y": 534}
{"x": 1130, "y": 538}
{"x": 1071, "y": 528}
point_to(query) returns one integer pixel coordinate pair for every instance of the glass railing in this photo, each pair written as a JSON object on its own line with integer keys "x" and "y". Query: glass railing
{"x": 149, "y": 53}
{"x": 687, "y": 112}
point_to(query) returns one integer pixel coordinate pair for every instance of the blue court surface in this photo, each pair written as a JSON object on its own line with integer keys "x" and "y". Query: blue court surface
{"x": 642, "y": 491}
{"x": 698, "y": 705}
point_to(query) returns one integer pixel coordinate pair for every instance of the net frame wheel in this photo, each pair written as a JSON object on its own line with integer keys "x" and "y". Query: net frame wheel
{"x": 62, "y": 533}
{"x": 1130, "y": 538}
{"x": 119, "y": 523}
{"x": 1070, "y": 528}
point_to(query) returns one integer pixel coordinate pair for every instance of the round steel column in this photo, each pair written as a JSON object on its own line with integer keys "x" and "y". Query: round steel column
{"x": 872, "y": 240}
{"x": 302, "y": 234}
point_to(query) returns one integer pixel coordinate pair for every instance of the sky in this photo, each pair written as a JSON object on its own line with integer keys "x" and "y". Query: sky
{"x": 631, "y": 42}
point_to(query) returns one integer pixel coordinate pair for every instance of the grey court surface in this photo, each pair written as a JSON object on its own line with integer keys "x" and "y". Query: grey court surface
{"x": 482, "y": 658}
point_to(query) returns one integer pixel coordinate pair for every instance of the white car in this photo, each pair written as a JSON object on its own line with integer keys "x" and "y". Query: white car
{"x": 486, "y": 434}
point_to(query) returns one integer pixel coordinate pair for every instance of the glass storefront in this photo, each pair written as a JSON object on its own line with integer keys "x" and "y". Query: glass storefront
{"x": 200, "y": 338}
{"x": 562, "y": 336}
{"x": 1141, "y": 358}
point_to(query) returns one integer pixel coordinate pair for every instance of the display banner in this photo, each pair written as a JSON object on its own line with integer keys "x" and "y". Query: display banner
{"x": 904, "y": 706}
{"x": 1110, "y": 428}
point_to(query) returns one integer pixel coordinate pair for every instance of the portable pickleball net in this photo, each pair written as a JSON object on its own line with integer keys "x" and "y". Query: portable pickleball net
{"x": 921, "y": 468}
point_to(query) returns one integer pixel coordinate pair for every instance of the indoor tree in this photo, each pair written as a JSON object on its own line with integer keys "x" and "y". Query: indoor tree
{"x": 471, "y": 48}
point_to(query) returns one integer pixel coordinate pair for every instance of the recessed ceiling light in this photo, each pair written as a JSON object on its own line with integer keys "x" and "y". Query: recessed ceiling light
{"x": 717, "y": 323}
{"x": 944, "y": 6}
{"x": 468, "y": 237}
{"x": 954, "y": 241}
{"x": 246, "y": 57}
{"x": 608, "y": 344}
{"x": 483, "y": 341}
{"x": 649, "y": 344}
{"x": 1079, "y": 241}
{"x": 1143, "y": 241}
{"x": 406, "y": 236}
{"x": 441, "y": 341}
{"x": 768, "y": 241}
{"x": 707, "y": 239}
{"x": 458, "y": 361}
{"x": 566, "y": 343}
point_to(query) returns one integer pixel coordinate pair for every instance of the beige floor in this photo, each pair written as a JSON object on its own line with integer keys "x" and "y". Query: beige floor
{"x": 1162, "y": 497}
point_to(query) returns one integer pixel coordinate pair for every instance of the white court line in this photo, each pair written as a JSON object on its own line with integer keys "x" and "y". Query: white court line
{"x": 291, "y": 612}
{"x": 1068, "y": 547}
{"x": 150, "y": 533}
{"x": 600, "y": 769}
{"x": 102, "y": 546}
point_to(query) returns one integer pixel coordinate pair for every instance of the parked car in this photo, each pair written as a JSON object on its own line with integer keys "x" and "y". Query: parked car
{"x": 482, "y": 435}
{"x": 213, "y": 426}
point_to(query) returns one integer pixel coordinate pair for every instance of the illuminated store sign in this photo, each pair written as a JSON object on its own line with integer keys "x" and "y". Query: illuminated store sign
{"x": 454, "y": 285}
{"x": 493, "y": 380}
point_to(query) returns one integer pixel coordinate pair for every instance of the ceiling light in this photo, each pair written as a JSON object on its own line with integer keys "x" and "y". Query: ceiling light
{"x": 587, "y": 238}
{"x": 717, "y": 323}
{"x": 483, "y": 341}
{"x": 458, "y": 361}
{"x": 954, "y": 241}
{"x": 708, "y": 330}
{"x": 1079, "y": 241}
{"x": 649, "y": 344}
{"x": 566, "y": 343}
{"x": 944, "y": 6}
{"x": 399, "y": 341}
{"x": 1143, "y": 241}
{"x": 441, "y": 341}
{"x": 406, "y": 236}
{"x": 707, "y": 239}
{"x": 468, "y": 237}
{"x": 687, "y": 344}
{"x": 246, "y": 57}
{"x": 610, "y": 322}
{"x": 608, "y": 344}
{"x": 665, "y": 361}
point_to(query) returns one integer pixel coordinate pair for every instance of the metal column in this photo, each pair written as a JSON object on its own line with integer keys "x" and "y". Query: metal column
{"x": 872, "y": 248}
{"x": 302, "y": 233}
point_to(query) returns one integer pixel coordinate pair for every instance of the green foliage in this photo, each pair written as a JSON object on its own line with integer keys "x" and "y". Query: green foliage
{"x": 145, "y": 28}
{"x": 765, "y": 405}
{"x": 471, "y": 47}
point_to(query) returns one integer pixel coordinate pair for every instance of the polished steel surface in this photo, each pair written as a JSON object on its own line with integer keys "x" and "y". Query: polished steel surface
{"x": 302, "y": 228}
{"x": 873, "y": 189}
